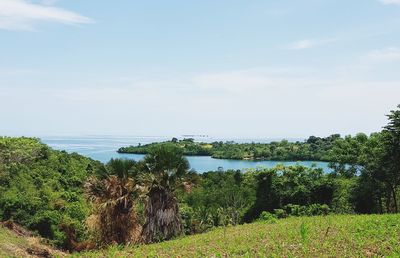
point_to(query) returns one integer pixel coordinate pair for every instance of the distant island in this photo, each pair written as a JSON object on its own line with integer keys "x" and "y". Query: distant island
{"x": 314, "y": 148}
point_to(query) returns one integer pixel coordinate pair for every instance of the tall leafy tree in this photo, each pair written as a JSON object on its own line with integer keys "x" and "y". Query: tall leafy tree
{"x": 390, "y": 173}
{"x": 267, "y": 198}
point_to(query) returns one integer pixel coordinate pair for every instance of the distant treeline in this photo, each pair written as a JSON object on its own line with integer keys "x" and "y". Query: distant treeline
{"x": 314, "y": 148}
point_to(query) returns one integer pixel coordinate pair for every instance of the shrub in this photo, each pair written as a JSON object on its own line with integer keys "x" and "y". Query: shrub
{"x": 268, "y": 217}
{"x": 317, "y": 209}
{"x": 187, "y": 215}
{"x": 280, "y": 213}
{"x": 314, "y": 209}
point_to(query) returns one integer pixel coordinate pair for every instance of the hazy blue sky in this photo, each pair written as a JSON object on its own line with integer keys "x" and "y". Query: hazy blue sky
{"x": 219, "y": 67}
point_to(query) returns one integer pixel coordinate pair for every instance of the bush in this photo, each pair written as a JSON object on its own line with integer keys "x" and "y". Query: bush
{"x": 314, "y": 209}
{"x": 294, "y": 210}
{"x": 317, "y": 209}
{"x": 187, "y": 215}
{"x": 268, "y": 217}
{"x": 280, "y": 213}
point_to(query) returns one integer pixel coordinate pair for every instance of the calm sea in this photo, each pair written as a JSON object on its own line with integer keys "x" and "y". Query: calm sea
{"x": 103, "y": 148}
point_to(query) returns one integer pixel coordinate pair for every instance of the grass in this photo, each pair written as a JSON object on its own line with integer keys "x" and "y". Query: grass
{"x": 329, "y": 236}
{"x": 10, "y": 243}
{"x": 13, "y": 245}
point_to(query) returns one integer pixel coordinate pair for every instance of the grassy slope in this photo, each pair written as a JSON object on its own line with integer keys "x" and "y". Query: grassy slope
{"x": 13, "y": 245}
{"x": 330, "y": 236}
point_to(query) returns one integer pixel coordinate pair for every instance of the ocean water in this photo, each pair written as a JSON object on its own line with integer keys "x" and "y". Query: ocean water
{"x": 104, "y": 148}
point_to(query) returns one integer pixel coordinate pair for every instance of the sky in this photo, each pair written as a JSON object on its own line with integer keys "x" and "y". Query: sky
{"x": 226, "y": 68}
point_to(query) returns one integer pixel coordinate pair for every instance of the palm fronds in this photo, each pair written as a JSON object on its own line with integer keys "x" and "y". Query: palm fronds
{"x": 114, "y": 198}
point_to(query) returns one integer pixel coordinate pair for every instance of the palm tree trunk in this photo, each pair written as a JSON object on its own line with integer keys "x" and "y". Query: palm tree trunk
{"x": 163, "y": 220}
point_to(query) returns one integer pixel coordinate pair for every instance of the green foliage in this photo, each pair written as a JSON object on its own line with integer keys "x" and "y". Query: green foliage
{"x": 188, "y": 147}
{"x": 375, "y": 160}
{"x": 314, "y": 209}
{"x": 267, "y": 217}
{"x": 280, "y": 186}
{"x": 232, "y": 197}
{"x": 343, "y": 201}
{"x": 218, "y": 199}
{"x": 314, "y": 148}
{"x": 389, "y": 175}
{"x": 280, "y": 213}
{"x": 187, "y": 214}
{"x": 42, "y": 188}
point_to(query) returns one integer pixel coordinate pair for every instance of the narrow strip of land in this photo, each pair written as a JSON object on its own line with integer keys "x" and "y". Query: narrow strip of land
{"x": 314, "y": 148}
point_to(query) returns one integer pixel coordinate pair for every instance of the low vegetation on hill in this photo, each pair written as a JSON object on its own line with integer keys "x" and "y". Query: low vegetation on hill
{"x": 42, "y": 189}
{"x": 314, "y": 148}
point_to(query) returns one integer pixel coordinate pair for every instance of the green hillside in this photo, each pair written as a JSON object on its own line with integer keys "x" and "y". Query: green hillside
{"x": 329, "y": 236}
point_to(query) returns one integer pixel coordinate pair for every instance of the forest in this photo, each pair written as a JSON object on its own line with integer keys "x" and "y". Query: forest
{"x": 79, "y": 204}
{"x": 314, "y": 148}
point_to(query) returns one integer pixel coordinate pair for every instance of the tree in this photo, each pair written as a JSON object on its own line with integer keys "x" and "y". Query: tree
{"x": 346, "y": 154}
{"x": 114, "y": 193}
{"x": 390, "y": 163}
{"x": 376, "y": 160}
{"x": 220, "y": 198}
{"x": 266, "y": 195}
{"x": 163, "y": 171}
{"x": 379, "y": 157}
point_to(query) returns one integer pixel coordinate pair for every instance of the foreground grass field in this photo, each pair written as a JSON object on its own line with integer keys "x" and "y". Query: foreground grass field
{"x": 330, "y": 236}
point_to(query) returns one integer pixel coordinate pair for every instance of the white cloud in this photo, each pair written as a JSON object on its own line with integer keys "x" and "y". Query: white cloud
{"x": 386, "y": 54}
{"x": 243, "y": 82}
{"x": 303, "y": 44}
{"x": 309, "y": 43}
{"x": 48, "y": 2}
{"x": 23, "y": 15}
{"x": 396, "y": 2}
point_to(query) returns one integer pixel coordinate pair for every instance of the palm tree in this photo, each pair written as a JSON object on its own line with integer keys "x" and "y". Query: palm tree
{"x": 114, "y": 193}
{"x": 163, "y": 171}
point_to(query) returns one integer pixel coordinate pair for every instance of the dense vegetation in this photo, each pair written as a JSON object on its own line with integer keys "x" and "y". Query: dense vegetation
{"x": 314, "y": 148}
{"x": 68, "y": 198}
{"x": 374, "y": 162}
{"x": 42, "y": 189}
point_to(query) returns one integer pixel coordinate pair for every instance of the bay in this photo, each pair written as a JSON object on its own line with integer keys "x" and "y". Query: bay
{"x": 104, "y": 148}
